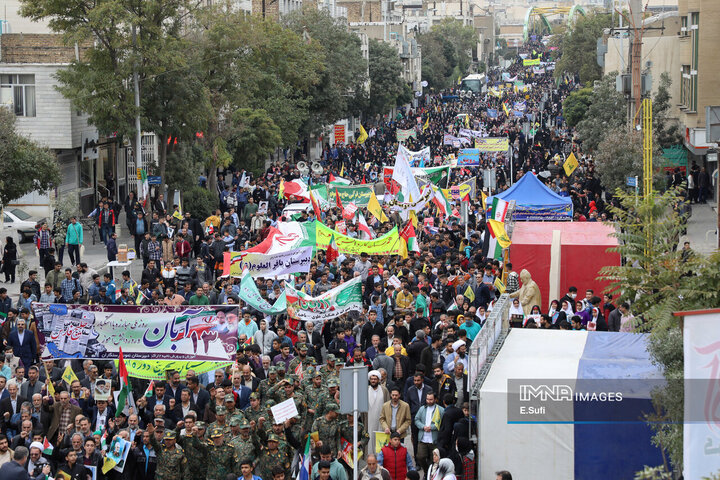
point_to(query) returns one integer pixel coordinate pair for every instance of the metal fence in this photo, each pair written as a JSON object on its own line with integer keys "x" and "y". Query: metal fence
{"x": 484, "y": 343}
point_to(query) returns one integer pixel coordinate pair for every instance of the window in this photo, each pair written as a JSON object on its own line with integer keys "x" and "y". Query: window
{"x": 18, "y": 91}
{"x": 686, "y": 87}
{"x": 695, "y": 44}
{"x": 684, "y": 26}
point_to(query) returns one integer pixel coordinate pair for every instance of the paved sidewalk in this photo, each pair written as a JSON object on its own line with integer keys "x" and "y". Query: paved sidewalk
{"x": 702, "y": 228}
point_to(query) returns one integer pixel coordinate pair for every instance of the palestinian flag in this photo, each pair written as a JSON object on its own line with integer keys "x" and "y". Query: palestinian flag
{"x": 338, "y": 180}
{"x": 47, "y": 447}
{"x": 408, "y": 234}
{"x": 332, "y": 250}
{"x": 125, "y": 398}
{"x": 150, "y": 389}
{"x": 495, "y": 240}
{"x": 498, "y": 210}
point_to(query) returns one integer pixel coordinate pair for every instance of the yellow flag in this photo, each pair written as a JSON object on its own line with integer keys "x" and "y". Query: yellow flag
{"x": 499, "y": 285}
{"x": 374, "y": 208}
{"x": 570, "y": 164}
{"x": 403, "y": 248}
{"x": 505, "y": 109}
{"x": 69, "y": 375}
{"x": 469, "y": 294}
{"x": 413, "y": 218}
{"x": 501, "y": 236}
{"x": 427, "y": 124}
{"x": 50, "y": 387}
{"x": 342, "y": 170}
{"x": 483, "y": 197}
{"x": 363, "y": 136}
{"x": 436, "y": 418}
{"x": 381, "y": 439}
{"x": 459, "y": 79}
{"x": 467, "y": 121}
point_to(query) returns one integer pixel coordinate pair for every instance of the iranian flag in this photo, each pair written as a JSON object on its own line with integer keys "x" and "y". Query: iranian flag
{"x": 304, "y": 472}
{"x": 408, "y": 234}
{"x": 441, "y": 202}
{"x": 144, "y": 186}
{"x": 496, "y": 239}
{"x": 316, "y": 207}
{"x": 332, "y": 250}
{"x": 498, "y": 210}
{"x": 362, "y": 225}
{"x": 125, "y": 398}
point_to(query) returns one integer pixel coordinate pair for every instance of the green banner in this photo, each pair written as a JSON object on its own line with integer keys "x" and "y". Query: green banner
{"x": 388, "y": 244}
{"x": 357, "y": 194}
{"x": 155, "y": 369}
{"x": 342, "y": 299}
{"x": 250, "y": 294}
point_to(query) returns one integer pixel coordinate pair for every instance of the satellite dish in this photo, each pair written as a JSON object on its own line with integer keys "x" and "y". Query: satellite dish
{"x": 317, "y": 169}
{"x": 303, "y": 168}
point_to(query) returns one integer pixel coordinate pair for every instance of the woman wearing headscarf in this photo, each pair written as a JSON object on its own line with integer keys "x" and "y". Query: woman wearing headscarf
{"x": 516, "y": 314}
{"x": 445, "y": 470}
{"x": 434, "y": 466}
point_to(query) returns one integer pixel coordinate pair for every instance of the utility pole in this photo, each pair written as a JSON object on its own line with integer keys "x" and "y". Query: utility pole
{"x": 635, "y": 63}
{"x": 138, "y": 131}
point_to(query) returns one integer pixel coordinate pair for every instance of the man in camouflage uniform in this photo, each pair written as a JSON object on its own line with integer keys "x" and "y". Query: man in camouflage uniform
{"x": 196, "y": 461}
{"x": 314, "y": 394}
{"x": 267, "y": 383}
{"x": 327, "y": 397}
{"x": 220, "y": 420}
{"x": 271, "y": 457}
{"x": 243, "y": 446}
{"x": 301, "y": 349}
{"x": 328, "y": 370}
{"x": 218, "y": 455}
{"x": 255, "y": 410}
{"x": 171, "y": 461}
{"x": 328, "y": 428}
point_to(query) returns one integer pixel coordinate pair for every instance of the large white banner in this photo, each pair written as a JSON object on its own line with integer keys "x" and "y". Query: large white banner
{"x": 701, "y": 432}
{"x": 342, "y": 299}
{"x": 267, "y": 265}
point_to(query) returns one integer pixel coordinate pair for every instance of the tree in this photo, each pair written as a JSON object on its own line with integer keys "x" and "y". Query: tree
{"x": 24, "y": 165}
{"x": 126, "y": 36}
{"x": 252, "y": 136}
{"x": 666, "y": 129}
{"x": 606, "y": 113}
{"x": 247, "y": 62}
{"x": 339, "y": 93}
{"x": 576, "y": 105}
{"x": 446, "y": 52}
{"x": 387, "y": 87}
{"x": 657, "y": 281}
{"x": 188, "y": 162}
{"x": 578, "y": 47}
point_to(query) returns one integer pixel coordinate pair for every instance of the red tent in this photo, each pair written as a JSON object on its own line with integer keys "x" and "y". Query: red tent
{"x": 581, "y": 247}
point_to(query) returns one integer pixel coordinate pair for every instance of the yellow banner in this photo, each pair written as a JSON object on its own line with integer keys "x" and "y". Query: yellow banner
{"x": 498, "y": 229}
{"x": 381, "y": 439}
{"x": 457, "y": 192}
{"x": 388, "y": 244}
{"x": 492, "y": 144}
{"x": 528, "y": 62}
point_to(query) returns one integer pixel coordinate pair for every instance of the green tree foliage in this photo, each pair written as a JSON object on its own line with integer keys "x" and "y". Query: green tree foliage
{"x": 249, "y": 63}
{"x": 578, "y": 47}
{"x": 200, "y": 202}
{"x": 666, "y": 129}
{"x": 24, "y": 165}
{"x": 576, "y": 105}
{"x": 606, "y": 113}
{"x": 657, "y": 280}
{"x": 387, "y": 88}
{"x": 446, "y": 52}
{"x": 339, "y": 92}
{"x": 252, "y": 136}
{"x": 188, "y": 161}
{"x": 620, "y": 155}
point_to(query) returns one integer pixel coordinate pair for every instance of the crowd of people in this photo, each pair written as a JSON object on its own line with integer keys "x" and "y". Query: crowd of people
{"x": 414, "y": 338}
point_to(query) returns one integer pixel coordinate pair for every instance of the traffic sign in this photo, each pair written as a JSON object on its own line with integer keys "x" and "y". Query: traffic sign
{"x": 154, "y": 179}
{"x": 632, "y": 181}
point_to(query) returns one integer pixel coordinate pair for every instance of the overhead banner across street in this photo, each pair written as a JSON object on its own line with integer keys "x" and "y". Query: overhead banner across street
{"x": 156, "y": 332}
{"x": 331, "y": 304}
{"x": 388, "y": 244}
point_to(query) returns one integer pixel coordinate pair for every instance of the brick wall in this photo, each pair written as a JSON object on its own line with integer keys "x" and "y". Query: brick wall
{"x": 372, "y": 10}
{"x": 36, "y": 48}
{"x": 272, "y": 8}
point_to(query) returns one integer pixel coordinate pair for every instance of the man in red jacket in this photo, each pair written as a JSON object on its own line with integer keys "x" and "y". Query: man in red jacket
{"x": 182, "y": 247}
{"x": 395, "y": 458}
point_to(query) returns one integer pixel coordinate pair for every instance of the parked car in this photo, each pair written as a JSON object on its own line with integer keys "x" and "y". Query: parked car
{"x": 22, "y": 222}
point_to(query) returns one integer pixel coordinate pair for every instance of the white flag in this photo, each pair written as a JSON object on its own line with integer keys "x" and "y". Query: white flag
{"x": 403, "y": 175}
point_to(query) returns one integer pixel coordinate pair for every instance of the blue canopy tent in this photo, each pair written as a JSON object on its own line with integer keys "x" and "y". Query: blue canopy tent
{"x": 534, "y": 201}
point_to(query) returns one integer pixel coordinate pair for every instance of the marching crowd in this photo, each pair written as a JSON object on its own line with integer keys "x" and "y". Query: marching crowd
{"x": 413, "y": 337}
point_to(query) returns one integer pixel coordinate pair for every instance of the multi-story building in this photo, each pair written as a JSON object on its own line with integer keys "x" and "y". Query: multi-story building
{"x": 698, "y": 72}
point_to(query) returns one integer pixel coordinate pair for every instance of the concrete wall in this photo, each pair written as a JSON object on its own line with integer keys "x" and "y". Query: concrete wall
{"x": 9, "y": 10}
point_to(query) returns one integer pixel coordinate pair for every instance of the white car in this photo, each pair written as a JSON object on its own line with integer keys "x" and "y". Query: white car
{"x": 19, "y": 221}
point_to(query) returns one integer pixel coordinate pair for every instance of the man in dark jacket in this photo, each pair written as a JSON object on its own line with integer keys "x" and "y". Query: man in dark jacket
{"x": 15, "y": 468}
